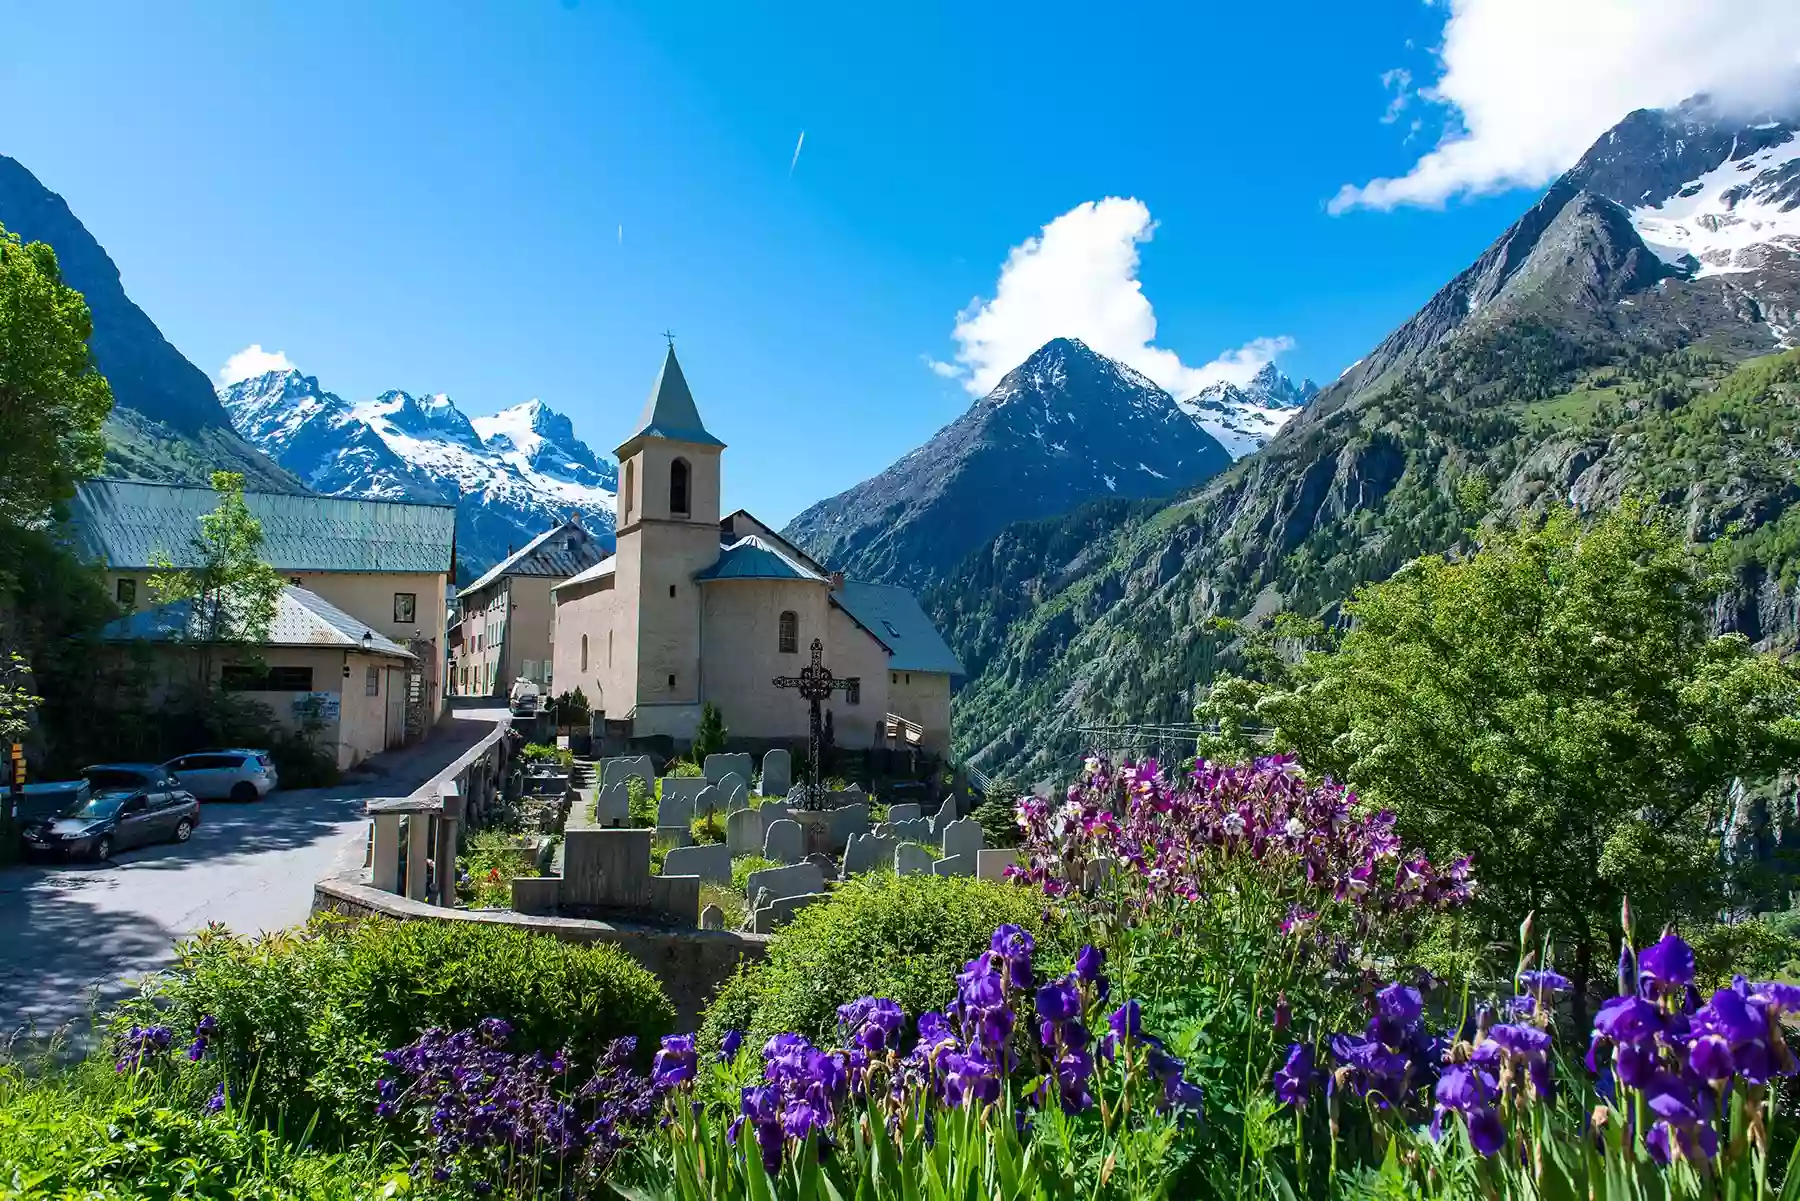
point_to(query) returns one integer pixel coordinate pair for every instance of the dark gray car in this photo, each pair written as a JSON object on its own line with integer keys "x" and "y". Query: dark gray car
{"x": 132, "y": 805}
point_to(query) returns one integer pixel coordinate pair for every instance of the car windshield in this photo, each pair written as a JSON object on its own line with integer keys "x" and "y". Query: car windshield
{"x": 102, "y": 805}
{"x": 108, "y": 777}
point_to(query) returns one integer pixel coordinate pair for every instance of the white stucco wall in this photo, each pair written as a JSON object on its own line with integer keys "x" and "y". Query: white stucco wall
{"x": 923, "y": 697}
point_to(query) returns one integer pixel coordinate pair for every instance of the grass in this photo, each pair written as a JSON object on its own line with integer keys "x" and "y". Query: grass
{"x": 730, "y": 902}
{"x": 1571, "y": 408}
{"x": 491, "y": 860}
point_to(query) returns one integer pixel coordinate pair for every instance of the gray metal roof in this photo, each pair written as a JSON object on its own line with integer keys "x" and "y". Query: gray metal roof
{"x": 757, "y": 558}
{"x": 302, "y": 618}
{"x": 561, "y": 551}
{"x": 600, "y": 570}
{"x": 892, "y": 616}
{"x": 125, "y": 523}
{"x": 670, "y": 411}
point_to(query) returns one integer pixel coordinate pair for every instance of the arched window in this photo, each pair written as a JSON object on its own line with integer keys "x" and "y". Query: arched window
{"x": 790, "y": 633}
{"x": 584, "y": 652}
{"x": 678, "y": 487}
{"x": 628, "y": 493}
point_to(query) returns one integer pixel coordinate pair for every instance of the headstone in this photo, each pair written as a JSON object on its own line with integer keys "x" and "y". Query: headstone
{"x": 882, "y": 830}
{"x": 777, "y": 773}
{"x": 917, "y": 830}
{"x": 991, "y": 864}
{"x": 675, "y": 836}
{"x": 710, "y": 800}
{"x": 717, "y": 767}
{"x": 848, "y": 820}
{"x": 685, "y": 788}
{"x": 903, "y": 813}
{"x": 711, "y": 862}
{"x": 911, "y": 859}
{"x": 606, "y": 867}
{"x": 674, "y": 809}
{"x": 785, "y": 881}
{"x": 780, "y": 911}
{"x": 954, "y": 865}
{"x": 825, "y": 863}
{"x": 866, "y": 852}
{"x": 622, "y": 768}
{"x": 712, "y": 918}
{"x": 945, "y": 815}
{"x": 737, "y": 795}
{"x": 963, "y": 837}
{"x": 744, "y": 832}
{"x": 784, "y": 841}
{"x": 613, "y": 806}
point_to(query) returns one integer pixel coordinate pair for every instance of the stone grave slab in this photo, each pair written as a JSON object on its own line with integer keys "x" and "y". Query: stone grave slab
{"x": 712, "y": 918}
{"x": 777, "y": 773}
{"x": 675, "y": 836}
{"x": 991, "y": 863}
{"x": 613, "y": 805}
{"x": 717, "y": 767}
{"x": 911, "y": 859}
{"x": 963, "y": 837}
{"x": 918, "y": 830}
{"x": 945, "y": 815}
{"x": 744, "y": 832}
{"x": 737, "y": 795}
{"x": 903, "y": 812}
{"x": 711, "y": 863}
{"x": 784, "y": 841}
{"x": 780, "y": 911}
{"x": 866, "y": 852}
{"x": 710, "y": 800}
{"x": 621, "y": 768}
{"x": 788, "y": 881}
{"x": 954, "y": 865}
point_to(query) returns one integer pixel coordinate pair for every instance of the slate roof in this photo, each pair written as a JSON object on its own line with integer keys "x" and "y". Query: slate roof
{"x": 561, "y": 551}
{"x": 670, "y": 411}
{"x": 124, "y": 523}
{"x": 757, "y": 558}
{"x": 302, "y": 618}
{"x": 603, "y": 568}
{"x": 892, "y": 616}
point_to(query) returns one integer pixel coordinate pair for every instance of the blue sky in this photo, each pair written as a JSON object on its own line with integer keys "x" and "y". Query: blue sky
{"x": 502, "y": 201}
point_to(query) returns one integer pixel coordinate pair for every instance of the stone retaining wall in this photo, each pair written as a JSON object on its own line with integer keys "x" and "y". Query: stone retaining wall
{"x": 691, "y": 964}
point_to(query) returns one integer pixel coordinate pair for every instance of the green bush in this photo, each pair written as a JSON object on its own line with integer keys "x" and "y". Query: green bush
{"x": 303, "y": 1017}
{"x": 683, "y": 768}
{"x": 1766, "y": 947}
{"x": 708, "y": 828}
{"x": 642, "y": 800}
{"x": 901, "y": 937}
{"x": 539, "y": 752}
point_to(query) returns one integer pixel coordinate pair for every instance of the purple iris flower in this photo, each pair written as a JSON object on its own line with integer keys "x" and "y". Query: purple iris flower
{"x": 1400, "y": 1004}
{"x": 1711, "y": 1060}
{"x": 1059, "y": 1001}
{"x": 1667, "y": 966}
{"x": 728, "y": 1046}
{"x": 675, "y": 1063}
{"x": 1485, "y": 1131}
{"x": 216, "y": 1102}
{"x": 1127, "y": 1021}
{"x": 1295, "y": 1078}
{"x": 496, "y": 1030}
{"x": 1545, "y": 981}
{"x": 1014, "y": 946}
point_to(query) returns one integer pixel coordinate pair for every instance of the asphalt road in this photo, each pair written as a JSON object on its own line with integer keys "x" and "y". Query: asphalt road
{"x": 75, "y": 935}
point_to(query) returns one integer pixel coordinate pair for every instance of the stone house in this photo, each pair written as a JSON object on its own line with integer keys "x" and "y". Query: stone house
{"x": 386, "y": 563}
{"x": 505, "y": 614}
{"x": 695, "y": 607}
{"x": 318, "y": 663}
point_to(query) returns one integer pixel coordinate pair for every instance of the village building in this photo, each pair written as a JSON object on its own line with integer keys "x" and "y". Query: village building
{"x": 386, "y": 564}
{"x": 695, "y": 607}
{"x": 504, "y": 616}
{"x": 320, "y": 671}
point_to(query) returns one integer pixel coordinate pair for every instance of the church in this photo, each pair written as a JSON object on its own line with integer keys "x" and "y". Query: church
{"x": 696, "y": 607}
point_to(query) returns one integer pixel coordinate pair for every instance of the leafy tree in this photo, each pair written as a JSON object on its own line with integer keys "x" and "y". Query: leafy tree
{"x": 232, "y": 592}
{"x": 52, "y": 399}
{"x": 1554, "y": 705}
{"x": 709, "y": 739}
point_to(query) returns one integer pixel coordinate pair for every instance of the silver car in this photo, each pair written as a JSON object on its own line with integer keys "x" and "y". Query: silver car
{"x": 238, "y": 774}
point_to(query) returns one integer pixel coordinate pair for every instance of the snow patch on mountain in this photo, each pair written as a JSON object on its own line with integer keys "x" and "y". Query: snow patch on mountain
{"x": 1727, "y": 219}
{"x": 1244, "y": 418}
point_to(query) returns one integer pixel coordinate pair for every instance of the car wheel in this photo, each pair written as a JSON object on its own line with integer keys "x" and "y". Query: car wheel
{"x": 184, "y": 830}
{"x": 243, "y": 790}
{"x": 103, "y": 849}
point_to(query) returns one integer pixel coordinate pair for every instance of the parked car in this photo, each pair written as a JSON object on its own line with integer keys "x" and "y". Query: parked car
{"x": 523, "y": 698}
{"x": 130, "y": 805}
{"x": 237, "y": 774}
{"x": 50, "y": 799}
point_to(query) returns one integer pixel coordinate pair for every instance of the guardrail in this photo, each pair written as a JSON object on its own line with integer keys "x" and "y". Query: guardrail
{"x": 413, "y": 838}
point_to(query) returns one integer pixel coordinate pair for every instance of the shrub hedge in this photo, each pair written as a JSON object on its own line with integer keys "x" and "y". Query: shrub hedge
{"x": 901, "y": 937}
{"x": 303, "y": 1017}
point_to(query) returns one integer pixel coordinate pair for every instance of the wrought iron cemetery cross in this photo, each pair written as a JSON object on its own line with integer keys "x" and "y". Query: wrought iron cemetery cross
{"x": 815, "y": 684}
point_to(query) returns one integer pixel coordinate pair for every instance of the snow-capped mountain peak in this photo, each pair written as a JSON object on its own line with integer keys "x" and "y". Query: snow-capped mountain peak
{"x": 512, "y": 474}
{"x": 1243, "y": 418}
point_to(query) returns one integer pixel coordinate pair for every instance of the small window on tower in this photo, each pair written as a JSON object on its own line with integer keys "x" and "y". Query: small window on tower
{"x": 127, "y": 592}
{"x": 789, "y": 634}
{"x": 678, "y": 487}
{"x": 671, "y": 681}
{"x": 671, "y": 592}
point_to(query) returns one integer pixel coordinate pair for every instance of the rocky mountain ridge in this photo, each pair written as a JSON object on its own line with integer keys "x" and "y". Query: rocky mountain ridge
{"x": 1244, "y": 418}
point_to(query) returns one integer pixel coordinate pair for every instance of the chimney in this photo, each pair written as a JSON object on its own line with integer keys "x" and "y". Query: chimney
{"x": 575, "y": 516}
{"x": 837, "y": 581}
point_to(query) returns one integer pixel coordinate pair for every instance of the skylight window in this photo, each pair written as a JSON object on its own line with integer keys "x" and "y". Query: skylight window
{"x": 889, "y": 626}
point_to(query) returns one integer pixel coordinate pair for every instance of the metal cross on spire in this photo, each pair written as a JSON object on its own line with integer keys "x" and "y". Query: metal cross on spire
{"x": 670, "y": 335}
{"x": 815, "y": 683}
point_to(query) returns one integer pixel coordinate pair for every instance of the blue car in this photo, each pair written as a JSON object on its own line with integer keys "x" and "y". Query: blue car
{"x": 128, "y": 805}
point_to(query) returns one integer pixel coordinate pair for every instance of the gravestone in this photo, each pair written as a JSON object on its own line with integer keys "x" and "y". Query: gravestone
{"x": 825, "y": 863}
{"x": 606, "y": 867}
{"x": 674, "y": 809}
{"x": 711, "y": 862}
{"x": 903, "y": 813}
{"x": 917, "y": 830}
{"x": 613, "y": 806}
{"x": 687, "y": 788}
{"x": 780, "y": 911}
{"x": 784, "y": 841}
{"x": 848, "y": 820}
{"x": 866, "y": 852}
{"x": 991, "y": 864}
{"x": 737, "y": 795}
{"x": 963, "y": 837}
{"x": 623, "y": 767}
{"x": 675, "y": 836}
{"x": 954, "y": 865}
{"x": 945, "y": 815}
{"x": 744, "y": 832}
{"x": 911, "y": 859}
{"x": 710, "y": 800}
{"x": 712, "y": 918}
{"x": 785, "y": 881}
{"x": 777, "y": 773}
{"x": 717, "y": 767}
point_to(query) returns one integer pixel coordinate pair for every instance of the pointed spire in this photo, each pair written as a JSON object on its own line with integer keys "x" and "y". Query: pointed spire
{"x": 670, "y": 411}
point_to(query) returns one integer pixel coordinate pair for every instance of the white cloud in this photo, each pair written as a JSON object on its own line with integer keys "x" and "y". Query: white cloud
{"x": 1527, "y": 85}
{"x": 1078, "y": 279}
{"x": 251, "y": 362}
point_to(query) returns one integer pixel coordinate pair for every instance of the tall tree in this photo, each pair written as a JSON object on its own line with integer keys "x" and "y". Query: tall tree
{"x": 231, "y": 592}
{"x": 53, "y": 401}
{"x": 1555, "y": 705}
